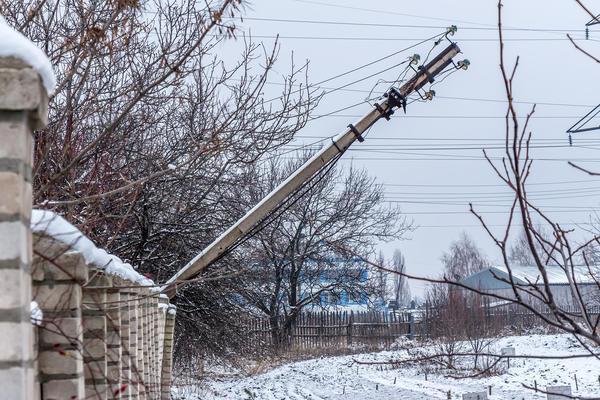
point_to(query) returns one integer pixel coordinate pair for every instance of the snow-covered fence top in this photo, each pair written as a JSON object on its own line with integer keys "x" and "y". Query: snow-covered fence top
{"x": 45, "y": 222}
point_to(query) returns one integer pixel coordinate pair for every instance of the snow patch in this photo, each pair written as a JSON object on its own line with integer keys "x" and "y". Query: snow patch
{"x": 55, "y": 226}
{"x": 13, "y": 43}
{"x": 36, "y": 314}
{"x": 339, "y": 378}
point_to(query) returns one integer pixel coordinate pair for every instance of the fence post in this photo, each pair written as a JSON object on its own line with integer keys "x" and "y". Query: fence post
{"x": 167, "y": 361}
{"x": 349, "y": 329}
{"x": 155, "y": 329}
{"x": 143, "y": 338}
{"x": 411, "y": 326}
{"x": 94, "y": 335}
{"x": 126, "y": 318}
{"x": 23, "y": 108}
{"x": 113, "y": 339}
{"x": 133, "y": 343}
{"x": 58, "y": 275}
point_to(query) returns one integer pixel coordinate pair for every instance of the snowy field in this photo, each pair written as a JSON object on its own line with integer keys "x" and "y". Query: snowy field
{"x": 341, "y": 378}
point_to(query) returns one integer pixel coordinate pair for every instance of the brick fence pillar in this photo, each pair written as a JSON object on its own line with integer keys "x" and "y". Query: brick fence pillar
{"x": 126, "y": 319}
{"x": 142, "y": 336}
{"x": 134, "y": 374}
{"x": 58, "y": 275}
{"x": 167, "y": 360}
{"x": 155, "y": 368}
{"x": 162, "y": 315}
{"x": 147, "y": 340}
{"x": 113, "y": 341}
{"x": 23, "y": 108}
{"x": 94, "y": 336}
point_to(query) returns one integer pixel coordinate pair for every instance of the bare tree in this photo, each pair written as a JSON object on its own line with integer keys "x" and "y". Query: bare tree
{"x": 401, "y": 288}
{"x": 150, "y": 129}
{"x": 380, "y": 281}
{"x": 296, "y": 260}
{"x": 520, "y": 254}
{"x": 542, "y": 243}
{"x": 558, "y": 246}
{"x": 464, "y": 258}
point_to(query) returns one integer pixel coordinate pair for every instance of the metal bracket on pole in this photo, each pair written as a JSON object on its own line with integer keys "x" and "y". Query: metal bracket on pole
{"x": 426, "y": 72}
{"x": 385, "y": 114}
{"x": 396, "y": 99}
{"x": 356, "y": 133}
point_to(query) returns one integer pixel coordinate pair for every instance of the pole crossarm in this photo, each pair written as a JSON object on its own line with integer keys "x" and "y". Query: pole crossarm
{"x": 395, "y": 98}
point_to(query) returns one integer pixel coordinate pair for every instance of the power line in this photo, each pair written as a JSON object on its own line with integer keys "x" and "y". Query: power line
{"x": 504, "y": 205}
{"x": 456, "y": 157}
{"x": 396, "y": 39}
{"x": 482, "y": 212}
{"x": 502, "y": 193}
{"x": 392, "y": 149}
{"x": 452, "y": 116}
{"x": 416, "y": 26}
{"x": 498, "y": 202}
{"x": 515, "y": 102}
{"x": 389, "y": 12}
{"x": 494, "y": 198}
{"x": 479, "y": 99}
{"x": 378, "y": 60}
{"x": 472, "y": 140}
{"x": 488, "y": 185}
{"x": 493, "y": 225}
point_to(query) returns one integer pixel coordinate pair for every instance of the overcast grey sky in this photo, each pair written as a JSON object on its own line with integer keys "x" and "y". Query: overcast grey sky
{"x": 431, "y": 161}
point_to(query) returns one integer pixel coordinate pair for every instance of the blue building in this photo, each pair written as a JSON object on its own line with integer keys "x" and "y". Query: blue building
{"x": 348, "y": 278}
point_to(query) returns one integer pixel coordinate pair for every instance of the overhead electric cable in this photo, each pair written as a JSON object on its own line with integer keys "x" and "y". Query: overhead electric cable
{"x": 401, "y": 39}
{"x": 365, "y": 65}
{"x": 478, "y": 99}
{"x": 415, "y": 26}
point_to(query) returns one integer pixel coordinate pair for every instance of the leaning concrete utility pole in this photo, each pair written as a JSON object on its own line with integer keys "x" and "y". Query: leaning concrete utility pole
{"x": 395, "y": 98}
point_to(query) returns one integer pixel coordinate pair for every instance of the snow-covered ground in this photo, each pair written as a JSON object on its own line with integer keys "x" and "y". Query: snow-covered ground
{"x": 341, "y": 378}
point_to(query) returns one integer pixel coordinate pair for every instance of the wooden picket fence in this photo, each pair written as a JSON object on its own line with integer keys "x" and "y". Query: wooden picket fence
{"x": 331, "y": 330}
{"x": 520, "y": 319}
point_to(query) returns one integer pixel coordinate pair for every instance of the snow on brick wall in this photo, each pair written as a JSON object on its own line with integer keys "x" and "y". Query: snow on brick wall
{"x": 55, "y": 226}
{"x": 13, "y": 43}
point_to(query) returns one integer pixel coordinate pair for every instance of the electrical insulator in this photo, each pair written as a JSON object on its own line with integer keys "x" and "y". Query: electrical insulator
{"x": 451, "y": 30}
{"x": 464, "y": 64}
{"x": 430, "y": 95}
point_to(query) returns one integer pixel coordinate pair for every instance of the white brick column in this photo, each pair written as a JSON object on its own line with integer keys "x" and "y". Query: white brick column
{"x": 155, "y": 368}
{"x": 141, "y": 348}
{"x": 126, "y": 317}
{"x": 95, "y": 336}
{"x": 113, "y": 341}
{"x": 23, "y": 108}
{"x": 167, "y": 360}
{"x": 57, "y": 290}
{"x": 133, "y": 343}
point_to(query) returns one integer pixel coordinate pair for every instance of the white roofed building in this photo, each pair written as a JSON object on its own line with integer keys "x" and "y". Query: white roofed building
{"x": 530, "y": 284}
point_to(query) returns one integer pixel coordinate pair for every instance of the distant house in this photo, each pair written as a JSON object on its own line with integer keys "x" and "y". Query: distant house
{"x": 495, "y": 280}
{"x": 349, "y": 276}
